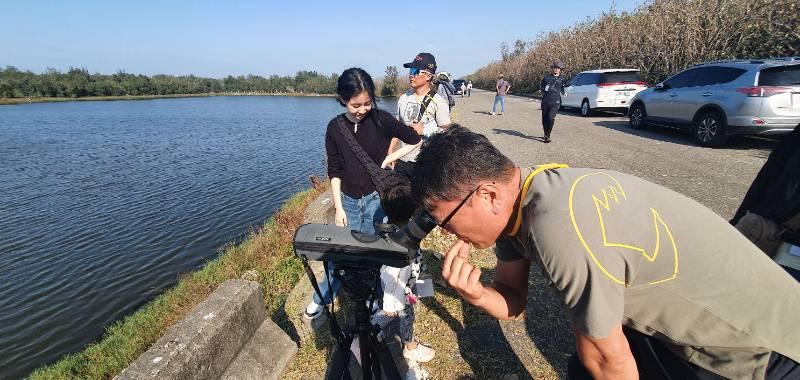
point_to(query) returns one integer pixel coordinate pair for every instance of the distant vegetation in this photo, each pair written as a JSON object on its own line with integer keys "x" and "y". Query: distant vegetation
{"x": 659, "y": 38}
{"x": 78, "y": 83}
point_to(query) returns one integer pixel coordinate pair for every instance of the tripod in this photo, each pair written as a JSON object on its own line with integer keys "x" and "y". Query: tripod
{"x": 360, "y": 283}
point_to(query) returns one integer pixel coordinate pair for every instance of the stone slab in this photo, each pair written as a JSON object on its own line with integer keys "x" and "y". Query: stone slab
{"x": 265, "y": 356}
{"x": 202, "y": 345}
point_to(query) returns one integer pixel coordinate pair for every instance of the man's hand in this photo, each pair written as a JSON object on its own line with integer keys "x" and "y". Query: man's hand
{"x": 461, "y": 275}
{"x": 340, "y": 218}
{"x": 418, "y": 127}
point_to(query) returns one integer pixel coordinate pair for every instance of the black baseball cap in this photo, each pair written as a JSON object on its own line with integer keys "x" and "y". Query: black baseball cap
{"x": 423, "y": 61}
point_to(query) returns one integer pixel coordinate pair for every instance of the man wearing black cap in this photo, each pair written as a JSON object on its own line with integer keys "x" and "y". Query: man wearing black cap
{"x": 420, "y": 107}
{"x": 552, "y": 88}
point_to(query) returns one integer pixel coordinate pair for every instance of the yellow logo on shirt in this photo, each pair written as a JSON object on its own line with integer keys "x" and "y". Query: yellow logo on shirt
{"x": 609, "y": 197}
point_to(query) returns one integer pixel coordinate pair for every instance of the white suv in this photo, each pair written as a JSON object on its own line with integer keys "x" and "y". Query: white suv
{"x": 610, "y": 89}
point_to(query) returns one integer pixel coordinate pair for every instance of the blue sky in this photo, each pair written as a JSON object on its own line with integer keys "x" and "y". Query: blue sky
{"x": 218, "y": 38}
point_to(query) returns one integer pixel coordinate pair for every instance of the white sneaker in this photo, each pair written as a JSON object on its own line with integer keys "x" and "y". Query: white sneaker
{"x": 492, "y": 113}
{"x": 421, "y": 354}
{"x": 313, "y": 311}
{"x": 416, "y": 372}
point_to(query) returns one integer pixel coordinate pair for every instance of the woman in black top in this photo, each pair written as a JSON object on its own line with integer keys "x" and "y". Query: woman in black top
{"x": 355, "y": 198}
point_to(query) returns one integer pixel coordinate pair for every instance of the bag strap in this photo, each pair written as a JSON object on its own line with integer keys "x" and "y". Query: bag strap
{"x": 378, "y": 175}
{"x": 426, "y": 101}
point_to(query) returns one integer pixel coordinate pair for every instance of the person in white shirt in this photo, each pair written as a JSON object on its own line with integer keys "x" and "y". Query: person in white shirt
{"x": 420, "y": 108}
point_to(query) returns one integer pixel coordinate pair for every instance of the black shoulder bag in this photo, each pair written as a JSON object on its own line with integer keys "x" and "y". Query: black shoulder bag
{"x": 382, "y": 179}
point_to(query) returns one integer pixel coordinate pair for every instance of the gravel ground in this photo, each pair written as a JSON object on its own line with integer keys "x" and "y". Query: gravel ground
{"x": 717, "y": 178}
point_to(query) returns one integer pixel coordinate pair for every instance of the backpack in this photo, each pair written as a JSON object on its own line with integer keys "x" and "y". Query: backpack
{"x": 447, "y": 91}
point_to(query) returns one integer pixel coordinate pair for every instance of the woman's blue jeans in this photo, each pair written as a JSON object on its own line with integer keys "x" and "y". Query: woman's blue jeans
{"x": 362, "y": 214}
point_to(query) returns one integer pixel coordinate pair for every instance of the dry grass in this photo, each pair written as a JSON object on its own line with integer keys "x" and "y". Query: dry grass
{"x": 659, "y": 38}
{"x": 267, "y": 250}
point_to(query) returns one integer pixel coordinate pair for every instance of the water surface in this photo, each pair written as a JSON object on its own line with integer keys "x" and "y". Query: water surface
{"x": 104, "y": 204}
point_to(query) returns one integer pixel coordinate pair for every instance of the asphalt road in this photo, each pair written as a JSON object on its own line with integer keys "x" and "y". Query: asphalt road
{"x": 717, "y": 178}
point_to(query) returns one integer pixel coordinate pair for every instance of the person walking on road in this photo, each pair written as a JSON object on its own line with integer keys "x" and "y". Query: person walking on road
{"x": 463, "y": 89}
{"x": 502, "y": 87}
{"x": 552, "y": 88}
{"x": 469, "y": 89}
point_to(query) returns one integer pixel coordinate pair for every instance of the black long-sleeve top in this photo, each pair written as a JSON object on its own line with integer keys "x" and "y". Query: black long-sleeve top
{"x": 552, "y": 88}
{"x": 375, "y": 133}
{"x": 775, "y": 193}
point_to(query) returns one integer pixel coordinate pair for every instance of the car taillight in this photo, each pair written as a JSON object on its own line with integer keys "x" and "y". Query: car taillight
{"x": 762, "y": 91}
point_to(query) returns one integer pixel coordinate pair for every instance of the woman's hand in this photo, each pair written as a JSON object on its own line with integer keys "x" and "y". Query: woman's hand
{"x": 387, "y": 164}
{"x": 340, "y": 218}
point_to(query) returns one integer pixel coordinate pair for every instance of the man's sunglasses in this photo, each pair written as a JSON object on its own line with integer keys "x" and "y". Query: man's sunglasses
{"x": 414, "y": 71}
{"x": 446, "y": 219}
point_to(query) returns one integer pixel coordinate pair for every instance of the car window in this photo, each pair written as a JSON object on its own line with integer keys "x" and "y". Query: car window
{"x": 713, "y": 75}
{"x": 593, "y": 78}
{"x": 780, "y": 76}
{"x": 681, "y": 79}
{"x": 621, "y": 77}
{"x": 575, "y": 81}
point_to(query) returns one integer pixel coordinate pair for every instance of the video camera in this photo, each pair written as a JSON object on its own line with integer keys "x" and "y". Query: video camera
{"x": 392, "y": 246}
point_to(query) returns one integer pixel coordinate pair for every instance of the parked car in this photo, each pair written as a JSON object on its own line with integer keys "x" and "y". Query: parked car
{"x": 609, "y": 90}
{"x": 718, "y": 99}
{"x": 457, "y": 84}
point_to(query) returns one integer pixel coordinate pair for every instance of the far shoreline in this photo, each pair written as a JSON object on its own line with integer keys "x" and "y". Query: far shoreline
{"x": 26, "y": 100}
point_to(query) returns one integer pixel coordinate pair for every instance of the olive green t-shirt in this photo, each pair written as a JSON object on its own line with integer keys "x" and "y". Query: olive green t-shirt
{"x": 618, "y": 249}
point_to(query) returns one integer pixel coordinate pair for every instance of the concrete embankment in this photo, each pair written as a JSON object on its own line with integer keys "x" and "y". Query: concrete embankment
{"x": 229, "y": 335}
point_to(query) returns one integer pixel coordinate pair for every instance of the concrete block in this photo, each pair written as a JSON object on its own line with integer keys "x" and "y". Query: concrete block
{"x": 265, "y": 356}
{"x": 202, "y": 345}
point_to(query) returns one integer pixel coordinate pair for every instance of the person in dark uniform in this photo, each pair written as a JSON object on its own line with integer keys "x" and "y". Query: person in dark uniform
{"x": 552, "y": 88}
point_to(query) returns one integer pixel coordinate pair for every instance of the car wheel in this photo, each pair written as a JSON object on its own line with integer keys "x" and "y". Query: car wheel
{"x": 709, "y": 130}
{"x": 585, "y": 109}
{"x": 637, "y": 116}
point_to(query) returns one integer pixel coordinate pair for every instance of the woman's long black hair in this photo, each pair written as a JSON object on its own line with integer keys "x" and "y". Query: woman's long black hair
{"x": 352, "y": 82}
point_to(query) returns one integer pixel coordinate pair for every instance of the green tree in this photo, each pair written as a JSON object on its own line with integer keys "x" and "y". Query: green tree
{"x": 391, "y": 83}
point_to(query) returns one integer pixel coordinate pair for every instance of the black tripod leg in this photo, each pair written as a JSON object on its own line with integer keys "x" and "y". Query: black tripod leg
{"x": 367, "y": 358}
{"x": 340, "y": 363}
{"x": 382, "y": 356}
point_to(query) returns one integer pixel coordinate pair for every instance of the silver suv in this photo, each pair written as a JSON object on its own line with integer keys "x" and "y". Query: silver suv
{"x": 719, "y": 99}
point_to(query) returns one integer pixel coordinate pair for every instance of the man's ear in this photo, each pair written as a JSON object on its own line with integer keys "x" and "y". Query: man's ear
{"x": 491, "y": 193}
